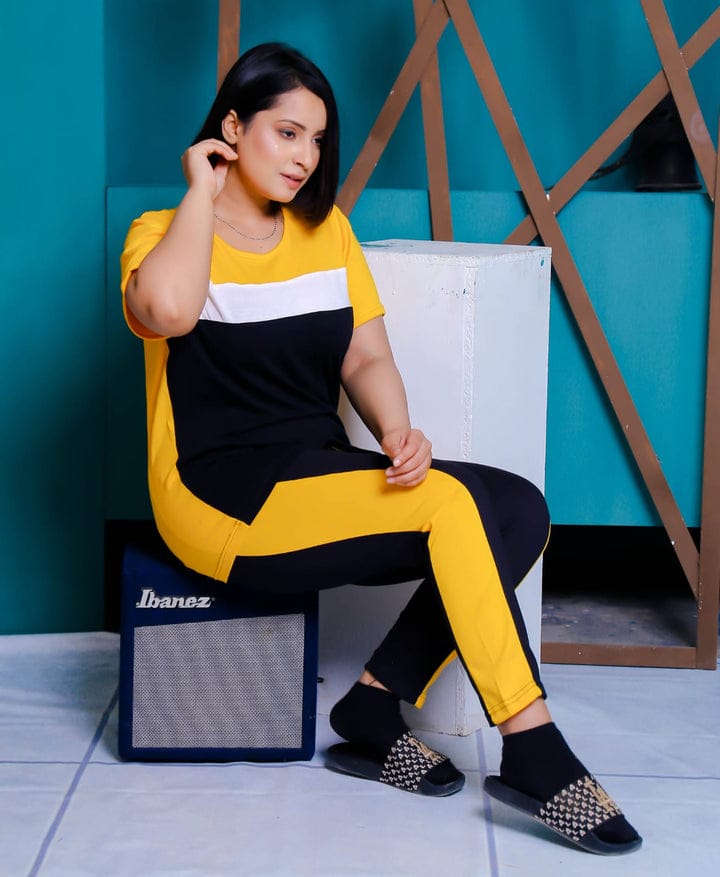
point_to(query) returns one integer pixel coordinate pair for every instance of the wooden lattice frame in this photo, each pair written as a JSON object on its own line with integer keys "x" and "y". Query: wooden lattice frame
{"x": 700, "y": 567}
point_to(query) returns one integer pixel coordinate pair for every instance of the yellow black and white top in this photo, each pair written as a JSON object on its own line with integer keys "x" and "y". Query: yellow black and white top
{"x": 254, "y": 483}
{"x": 231, "y": 402}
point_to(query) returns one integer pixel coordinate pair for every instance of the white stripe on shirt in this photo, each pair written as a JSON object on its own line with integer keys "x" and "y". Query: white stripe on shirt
{"x": 257, "y": 302}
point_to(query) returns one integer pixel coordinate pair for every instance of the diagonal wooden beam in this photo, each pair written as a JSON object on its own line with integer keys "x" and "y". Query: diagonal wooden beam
{"x": 416, "y": 62}
{"x": 623, "y": 126}
{"x": 682, "y": 90}
{"x": 574, "y": 289}
{"x": 434, "y": 128}
{"x": 709, "y": 583}
{"x": 228, "y": 36}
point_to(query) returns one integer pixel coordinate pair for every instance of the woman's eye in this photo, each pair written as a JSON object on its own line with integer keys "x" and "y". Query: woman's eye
{"x": 287, "y": 133}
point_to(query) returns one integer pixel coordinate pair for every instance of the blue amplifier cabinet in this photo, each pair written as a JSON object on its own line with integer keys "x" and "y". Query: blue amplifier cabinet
{"x": 211, "y": 672}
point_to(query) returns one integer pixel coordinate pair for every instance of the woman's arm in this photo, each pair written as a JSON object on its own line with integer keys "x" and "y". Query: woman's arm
{"x": 168, "y": 291}
{"x": 374, "y": 386}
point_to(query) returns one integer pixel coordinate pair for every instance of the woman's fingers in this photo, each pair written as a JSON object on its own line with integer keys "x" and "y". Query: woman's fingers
{"x": 198, "y": 169}
{"x": 212, "y": 147}
{"x": 412, "y": 461}
{"x": 410, "y": 479}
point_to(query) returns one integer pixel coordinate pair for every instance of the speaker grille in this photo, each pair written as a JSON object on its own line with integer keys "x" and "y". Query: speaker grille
{"x": 229, "y": 683}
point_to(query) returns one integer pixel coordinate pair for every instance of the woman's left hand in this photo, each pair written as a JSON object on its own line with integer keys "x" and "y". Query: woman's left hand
{"x": 411, "y": 455}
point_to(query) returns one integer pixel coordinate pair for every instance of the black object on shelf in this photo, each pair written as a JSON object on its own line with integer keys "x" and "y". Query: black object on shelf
{"x": 661, "y": 152}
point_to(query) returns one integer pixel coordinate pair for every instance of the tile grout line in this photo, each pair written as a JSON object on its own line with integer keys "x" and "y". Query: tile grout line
{"x": 62, "y": 809}
{"x": 287, "y": 765}
{"x": 487, "y": 810}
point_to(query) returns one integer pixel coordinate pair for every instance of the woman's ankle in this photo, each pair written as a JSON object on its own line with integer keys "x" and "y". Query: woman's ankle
{"x": 532, "y": 716}
{"x": 366, "y": 678}
{"x": 370, "y": 716}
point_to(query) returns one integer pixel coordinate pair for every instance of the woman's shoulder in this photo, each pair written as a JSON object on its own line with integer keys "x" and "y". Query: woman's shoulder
{"x": 334, "y": 229}
{"x": 144, "y": 233}
{"x": 334, "y": 220}
{"x": 156, "y": 220}
{"x": 337, "y": 218}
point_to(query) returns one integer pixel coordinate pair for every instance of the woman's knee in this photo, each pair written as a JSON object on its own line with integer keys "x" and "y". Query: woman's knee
{"x": 529, "y": 516}
{"x": 537, "y": 507}
{"x": 522, "y": 516}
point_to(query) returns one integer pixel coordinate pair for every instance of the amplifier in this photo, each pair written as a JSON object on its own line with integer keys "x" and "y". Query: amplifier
{"x": 209, "y": 672}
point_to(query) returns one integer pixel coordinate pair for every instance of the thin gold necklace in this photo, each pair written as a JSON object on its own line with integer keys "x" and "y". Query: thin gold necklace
{"x": 249, "y": 236}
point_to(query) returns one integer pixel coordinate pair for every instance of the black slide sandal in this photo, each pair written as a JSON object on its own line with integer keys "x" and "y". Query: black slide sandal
{"x": 405, "y": 767}
{"x": 574, "y": 813}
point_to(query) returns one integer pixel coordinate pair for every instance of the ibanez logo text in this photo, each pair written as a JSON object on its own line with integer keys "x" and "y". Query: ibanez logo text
{"x": 150, "y": 600}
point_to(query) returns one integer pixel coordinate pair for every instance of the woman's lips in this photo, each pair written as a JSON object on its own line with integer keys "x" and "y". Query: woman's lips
{"x": 292, "y": 181}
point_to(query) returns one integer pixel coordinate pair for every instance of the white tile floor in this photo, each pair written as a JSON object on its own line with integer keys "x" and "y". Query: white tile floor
{"x": 70, "y": 807}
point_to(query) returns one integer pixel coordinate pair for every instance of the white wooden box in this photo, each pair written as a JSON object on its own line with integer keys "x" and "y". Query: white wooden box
{"x": 469, "y": 327}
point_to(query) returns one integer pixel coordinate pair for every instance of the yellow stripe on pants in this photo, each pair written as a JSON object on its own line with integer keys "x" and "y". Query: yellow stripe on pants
{"x": 324, "y": 509}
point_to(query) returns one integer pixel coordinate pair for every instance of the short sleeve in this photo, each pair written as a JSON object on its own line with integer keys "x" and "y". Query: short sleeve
{"x": 144, "y": 234}
{"x": 363, "y": 292}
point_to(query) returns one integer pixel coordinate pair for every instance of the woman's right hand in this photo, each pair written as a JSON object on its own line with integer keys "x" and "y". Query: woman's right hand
{"x": 198, "y": 170}
{"x": 167, "y": 292}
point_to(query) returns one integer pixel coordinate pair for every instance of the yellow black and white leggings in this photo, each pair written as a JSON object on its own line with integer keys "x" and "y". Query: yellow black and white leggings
{"x": 471, "y": 532}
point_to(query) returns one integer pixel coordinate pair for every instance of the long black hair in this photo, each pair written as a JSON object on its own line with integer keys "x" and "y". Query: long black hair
{"x": 253, "y": 84}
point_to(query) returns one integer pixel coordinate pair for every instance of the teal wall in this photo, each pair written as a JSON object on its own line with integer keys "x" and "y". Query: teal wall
{"x": 104, "y": 97}
{"x": 52, "y": 392}
{"x": 549, "y": 55}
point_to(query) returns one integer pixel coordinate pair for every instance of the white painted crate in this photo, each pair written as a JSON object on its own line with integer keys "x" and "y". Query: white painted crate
{"x": 469, "y": 328}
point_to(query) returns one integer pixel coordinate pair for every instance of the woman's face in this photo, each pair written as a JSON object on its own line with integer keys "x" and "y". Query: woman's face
{"x": 279, "y": 148}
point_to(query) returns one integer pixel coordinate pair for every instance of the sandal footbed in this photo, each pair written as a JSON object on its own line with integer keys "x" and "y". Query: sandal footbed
{"x": 357, "y": 761}
{"x": 590, "y": 842}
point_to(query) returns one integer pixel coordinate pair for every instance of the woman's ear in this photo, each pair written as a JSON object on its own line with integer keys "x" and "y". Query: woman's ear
{"x": 231, "y": 126}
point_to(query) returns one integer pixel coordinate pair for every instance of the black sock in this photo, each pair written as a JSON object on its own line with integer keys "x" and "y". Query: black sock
{"x": 371, "y": 717}
{"x": 540, "y": 763}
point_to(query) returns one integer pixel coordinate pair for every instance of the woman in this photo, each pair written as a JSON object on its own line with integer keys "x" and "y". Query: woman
{"x": 256, "y": 305}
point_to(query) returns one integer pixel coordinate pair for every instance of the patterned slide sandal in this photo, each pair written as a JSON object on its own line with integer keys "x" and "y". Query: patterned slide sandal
{"x": 405, "y": 766}
{"x": 574, "y": 813}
